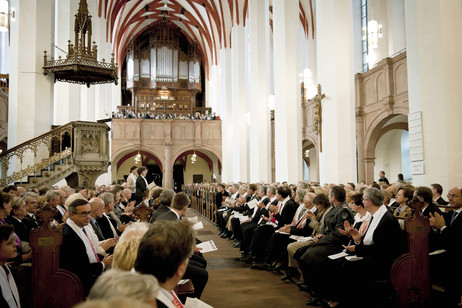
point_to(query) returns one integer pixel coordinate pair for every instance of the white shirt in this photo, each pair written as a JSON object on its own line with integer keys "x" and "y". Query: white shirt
{"x": 178, "y": 216}
{"x": 377, "y": 216}
{"x": 114, "y": 232}
{"x": 90, "y": 236}
{"x": 166, "y": 297}
{"x": 9, "y": 289}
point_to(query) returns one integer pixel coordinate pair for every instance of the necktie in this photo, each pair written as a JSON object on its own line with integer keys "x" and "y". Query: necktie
{"x": 91, "y": 244}
{"x": 454, "y": 216}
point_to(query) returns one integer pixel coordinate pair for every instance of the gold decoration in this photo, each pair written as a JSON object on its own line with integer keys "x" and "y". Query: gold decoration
{"x": 318, "y": 115}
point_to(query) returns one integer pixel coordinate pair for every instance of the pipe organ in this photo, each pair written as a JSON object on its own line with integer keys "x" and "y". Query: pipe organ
{"x": 163, "y": 71}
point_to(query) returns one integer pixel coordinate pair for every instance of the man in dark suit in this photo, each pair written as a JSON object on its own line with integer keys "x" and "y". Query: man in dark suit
{"x": 281, "y": 215}
{"x": 141, "y": 185}
{"x": 196, "y": 266}
{"x": 53, "y": 197}
{"x": 375, "y": 250}
{"x": 447, "y": 267}
{"x": 106, "y": 223}
{"x": 78, "y": 251}
{"x": 165, "y": 199}
{"x": 329, "y": 241}
{"x": 437, "y": 191}
{"x": 97, "y": 208}
{"x": 163, "y": 252}
{"x": 426, "y": 196}
{"x": 30, "y": 220}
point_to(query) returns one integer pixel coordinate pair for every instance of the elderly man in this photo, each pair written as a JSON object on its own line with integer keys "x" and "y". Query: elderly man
{"x": 444, "y": 268}
{"x": 78, "y": 252}
{"x": 107, "y": 224}
{"x": 373, "y": 247}
{"x": 165, "y": 199}
{"x": 30, "y": 220}
{"x": 53, "y": 198}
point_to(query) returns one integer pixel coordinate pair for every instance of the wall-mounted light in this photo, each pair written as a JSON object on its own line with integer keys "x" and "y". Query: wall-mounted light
{"x": 308, "y": 83}
{"x": 307, "y": 153}
{"x": 5, "y": 15}
{"x": 374, "y": 31}
{"x": 137, "y": 158}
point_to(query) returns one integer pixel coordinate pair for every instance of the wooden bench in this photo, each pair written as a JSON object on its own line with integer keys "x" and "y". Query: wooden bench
{"x": 52, "y": 287}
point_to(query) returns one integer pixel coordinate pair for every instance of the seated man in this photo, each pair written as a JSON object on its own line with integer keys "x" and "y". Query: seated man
{"x": 373, "y": 247}
{"x": 444, "y": 267}
{"x": 164, "y": 253}
{"x": 78, "y": 252}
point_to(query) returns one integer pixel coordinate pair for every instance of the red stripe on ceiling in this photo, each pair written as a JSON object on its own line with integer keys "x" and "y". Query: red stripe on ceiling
{"x": 100, "y": 7}
{"x": 231, "y": 10}
{"x": 223, "y": 23}
{"x": 312, "y": 20}
{"x": 216, "y": 18}
{"x": 303, "y": 19}
{"x": 237, "y": 12}
{"x": 246, "y": 5}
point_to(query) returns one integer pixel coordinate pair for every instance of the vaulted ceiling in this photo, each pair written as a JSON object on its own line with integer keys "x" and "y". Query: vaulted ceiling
{"x": 206, "y": 22}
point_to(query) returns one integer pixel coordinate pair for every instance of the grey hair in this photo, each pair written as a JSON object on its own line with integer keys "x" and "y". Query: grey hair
{"x": 300, "y": 193}
{"x": 166, "y": 197}
{"x": 29, "y": 195}
{"x": 52, "y": 194}
{"x": 272, "y": 189}
{"x": 107, "y": 197}
{"x": 115, "y": 283}
{"x": 72, "y": 198}
{"x": 374, "y": 195}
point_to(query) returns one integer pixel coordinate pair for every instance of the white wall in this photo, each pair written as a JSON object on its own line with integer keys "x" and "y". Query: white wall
{"x": 388, "y": 155}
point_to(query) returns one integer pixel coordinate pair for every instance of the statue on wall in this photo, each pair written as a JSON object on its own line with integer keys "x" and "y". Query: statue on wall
{"x": 318, "y": 115}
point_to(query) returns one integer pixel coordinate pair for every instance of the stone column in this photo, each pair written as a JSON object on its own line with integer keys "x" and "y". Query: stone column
{"x": 168, "y": 167}
{"x": 339, "y": 58}
{"x": 260, "y": 130}
{"x": 288, "y": 131}
{"x": 240, "y": 149}
{"x": 30, "y": 101}
{"x": 225, "y": 115}
{"x": 435, "y": 70}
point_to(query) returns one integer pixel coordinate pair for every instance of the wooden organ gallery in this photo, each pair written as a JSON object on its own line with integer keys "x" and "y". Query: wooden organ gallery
{"x": 163, "y": 71}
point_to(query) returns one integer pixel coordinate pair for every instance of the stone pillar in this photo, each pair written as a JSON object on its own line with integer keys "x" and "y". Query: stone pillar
{"x": 225, "y": 115}
{"x": 360, "y": 145}
{"x": 30, "y": 100}
{"x": 260, "y": 130}
{"x": 435, "y": 70}
{"x": 369, "y": 164}
{"x": 168, "y": 167}
{"x": 240, "y": 150}
{"x": 288, "y": 131}
{"x": 339, "y": 58}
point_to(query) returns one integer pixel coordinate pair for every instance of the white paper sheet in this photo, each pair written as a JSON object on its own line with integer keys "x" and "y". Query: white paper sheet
{"x": 282, "y": 232}
{"x": 338, "y": 255}
{"x": 207, "y": 246}
{"x": 198, "y": 226}
{"x": 252, "y": 204}
{"x": 353, "y": 258}
{"x": 193, "y": 220}
{"x": 437, "y": 252}
{"x": 192, "y": 302}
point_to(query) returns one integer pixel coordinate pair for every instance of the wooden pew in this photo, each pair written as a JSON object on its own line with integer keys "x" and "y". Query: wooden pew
{"x": 410, "y": 273}
{"x": 52, "y": 287}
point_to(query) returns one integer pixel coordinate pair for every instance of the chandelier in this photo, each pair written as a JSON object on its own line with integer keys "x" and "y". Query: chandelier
{"x": 81, "y": 65}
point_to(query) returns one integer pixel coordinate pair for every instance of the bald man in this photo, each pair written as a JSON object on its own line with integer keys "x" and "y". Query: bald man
{"x": 97, "y": 207}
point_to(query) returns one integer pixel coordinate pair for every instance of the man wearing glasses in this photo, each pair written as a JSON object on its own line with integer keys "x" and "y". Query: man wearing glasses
{"x": 30, "y": 220}
{"x": 79, "y": 248}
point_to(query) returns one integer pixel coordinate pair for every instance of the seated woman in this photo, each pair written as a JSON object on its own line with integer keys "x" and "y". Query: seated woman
{"x": 126, "y": 249}
{"x": 403, "y": 197}
{"x": 9, "y": 291}
{"x": 316, "y": 222}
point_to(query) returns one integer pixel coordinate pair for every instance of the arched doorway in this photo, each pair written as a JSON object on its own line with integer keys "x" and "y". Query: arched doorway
{"x": 203, "y": 167}
{"x": 387, "y": 149}
{"x": 311, "y": 162}
{"x": 147, "y": 159}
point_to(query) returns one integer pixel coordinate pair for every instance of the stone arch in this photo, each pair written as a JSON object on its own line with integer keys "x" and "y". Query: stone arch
{"x": 312, "y": 161}
{"x": 375, "y": 130}
{"x": 212, "y": 160}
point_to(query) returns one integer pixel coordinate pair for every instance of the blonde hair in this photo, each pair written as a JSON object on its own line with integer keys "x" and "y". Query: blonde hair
{"x": 126, "y": 250}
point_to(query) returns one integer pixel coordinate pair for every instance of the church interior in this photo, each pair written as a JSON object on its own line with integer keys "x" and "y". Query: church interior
{"x": 241, "y": 92}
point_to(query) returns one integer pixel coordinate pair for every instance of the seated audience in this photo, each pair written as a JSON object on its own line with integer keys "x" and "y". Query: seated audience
{"x": 126, "y": 249}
